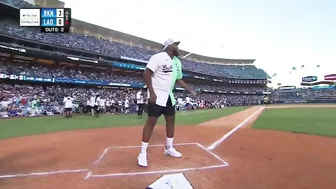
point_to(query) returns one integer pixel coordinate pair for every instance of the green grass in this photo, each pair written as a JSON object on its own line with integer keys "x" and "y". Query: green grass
{"x": 29, "y": 126}
{"x": 315, "y": 121}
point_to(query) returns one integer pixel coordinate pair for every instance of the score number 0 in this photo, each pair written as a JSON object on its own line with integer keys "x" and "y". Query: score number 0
{"x": 60, "y": 23}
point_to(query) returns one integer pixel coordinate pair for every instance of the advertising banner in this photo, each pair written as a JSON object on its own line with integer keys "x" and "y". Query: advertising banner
{"x": 287, "y": 87}
{"x": 309, "y": 79}
{"x": 331, "y": 77}
{"x": 108, "y": 84}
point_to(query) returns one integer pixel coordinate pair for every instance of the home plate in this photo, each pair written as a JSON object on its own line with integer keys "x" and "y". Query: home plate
{"x": 173, "y": 181}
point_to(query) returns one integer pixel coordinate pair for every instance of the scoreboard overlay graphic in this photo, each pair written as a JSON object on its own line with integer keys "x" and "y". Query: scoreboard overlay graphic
{"x": 50, "y": 20}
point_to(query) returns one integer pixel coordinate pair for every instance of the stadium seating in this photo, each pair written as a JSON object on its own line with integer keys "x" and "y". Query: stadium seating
{"x": 93, "y": 44}
{"x": 86, "y": 74}
{"x": 18, "y": 97}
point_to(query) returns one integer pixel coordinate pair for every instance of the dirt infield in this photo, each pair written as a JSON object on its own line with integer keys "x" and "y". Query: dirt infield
{"x": 106, "y": 158}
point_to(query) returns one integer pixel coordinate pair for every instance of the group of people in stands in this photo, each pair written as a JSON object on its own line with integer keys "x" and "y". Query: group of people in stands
{"x": 90, "y": 74}
{"x": 30, "y": 100}
{"x": 102, "y": 46}
{"x": 93, "y": 44}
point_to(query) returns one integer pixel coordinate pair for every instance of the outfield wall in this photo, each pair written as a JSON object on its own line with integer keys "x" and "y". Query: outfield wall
{"x": 312, "y": 101}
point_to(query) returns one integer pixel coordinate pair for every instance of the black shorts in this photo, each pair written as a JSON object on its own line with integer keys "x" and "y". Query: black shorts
{"x": 265, "y": 102}
{"x": 68, "y": 109}
{"x": 154, "y": 110}
{"x": 141, "y": 106}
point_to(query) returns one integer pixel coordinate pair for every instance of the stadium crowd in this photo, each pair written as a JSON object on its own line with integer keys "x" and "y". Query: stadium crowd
{"x": 16, "y": 99}
{"x": 64, "y": 72}
{"x": 98, "y": 75}
{"x": 102, "y": 46}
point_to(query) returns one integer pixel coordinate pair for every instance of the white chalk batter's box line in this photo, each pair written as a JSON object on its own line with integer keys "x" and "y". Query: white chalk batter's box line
{"x": 44, "y": 173}
{"x": 222, "y": 162}
{"x": 89, "y": 172}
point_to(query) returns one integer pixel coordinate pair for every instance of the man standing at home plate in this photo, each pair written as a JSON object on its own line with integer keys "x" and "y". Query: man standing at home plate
{"x": 163, "y": 70}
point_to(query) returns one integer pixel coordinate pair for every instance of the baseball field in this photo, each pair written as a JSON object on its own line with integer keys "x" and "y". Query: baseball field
{"x": 286, "y": 146}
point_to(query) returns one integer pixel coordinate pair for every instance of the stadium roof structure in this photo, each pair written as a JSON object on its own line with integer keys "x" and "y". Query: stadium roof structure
{"x": 79, "y": 26}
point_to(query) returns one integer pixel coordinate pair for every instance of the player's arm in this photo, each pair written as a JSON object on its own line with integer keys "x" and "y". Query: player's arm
{"x": 180, "y": 82}
{"x": 184, "y": 85}
{"x": 137, "y": 96}
{"x": 151, "y": 68}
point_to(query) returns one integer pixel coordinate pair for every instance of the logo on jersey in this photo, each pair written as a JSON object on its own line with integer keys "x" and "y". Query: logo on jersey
{"x": 167, "y": 69}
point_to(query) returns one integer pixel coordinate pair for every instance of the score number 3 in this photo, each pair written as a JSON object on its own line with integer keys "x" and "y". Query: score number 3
{"x": 60, "y": 13}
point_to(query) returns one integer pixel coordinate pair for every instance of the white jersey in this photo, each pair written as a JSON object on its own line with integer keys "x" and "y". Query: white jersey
{"x": 92, "y": 101}
{"x": 97, "y": 101}
{"x": 127, "y": 103}
{"x": 161, "y": 65}
{"x": 140, "y": 97}
{"x": 108, "y": 103}
{"x": 188, "y": 99}
{"x": 102, "y": 103}
{"x": 68, "y": 102}
{"x": 119, "y": 102}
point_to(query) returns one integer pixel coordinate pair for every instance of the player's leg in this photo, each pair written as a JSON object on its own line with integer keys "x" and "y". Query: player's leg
{"x": 116, "y": 110}
{"x": 140, "y": 110}
{"x": 154, "y": 112}
{"x": 97, "y": 111}
{"x": 70, "y": 112}
{"x": 142, "y": 106}
{"x": 169, "y": 114}
{"x": 112, "y": 110}
{"x": 92, "y": 110}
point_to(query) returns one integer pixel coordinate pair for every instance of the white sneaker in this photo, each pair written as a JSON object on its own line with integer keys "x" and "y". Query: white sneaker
{"x": 172, "y": 152}
{"x": 142, "y": 159}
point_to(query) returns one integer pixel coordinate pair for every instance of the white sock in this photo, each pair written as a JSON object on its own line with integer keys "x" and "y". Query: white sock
{"x": 144, "y": 146}
{"x": 169, "y": 142}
